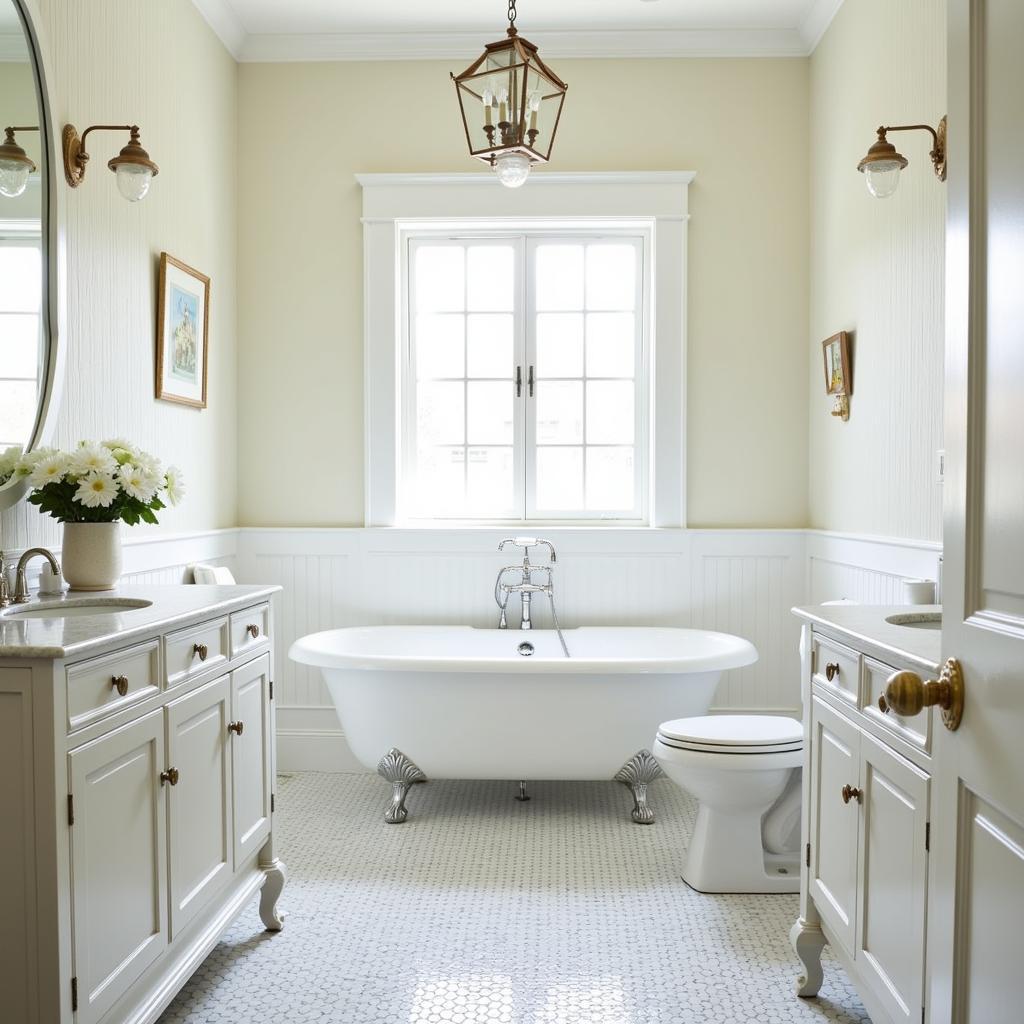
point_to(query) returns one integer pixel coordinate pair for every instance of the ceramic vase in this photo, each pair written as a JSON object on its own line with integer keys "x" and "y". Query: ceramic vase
{"x": 91, "y": 555}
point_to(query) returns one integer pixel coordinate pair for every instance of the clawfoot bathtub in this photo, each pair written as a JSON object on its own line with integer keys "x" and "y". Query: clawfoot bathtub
{"x": 454, "y": 702}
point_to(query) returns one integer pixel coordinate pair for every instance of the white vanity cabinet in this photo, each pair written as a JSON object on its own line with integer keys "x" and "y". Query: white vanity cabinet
{"x": 137, "y": 791}
{"x": 866, "y": 816}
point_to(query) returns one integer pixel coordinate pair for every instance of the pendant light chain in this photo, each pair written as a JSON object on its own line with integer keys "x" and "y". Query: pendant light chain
{"x": 511, "y": 14}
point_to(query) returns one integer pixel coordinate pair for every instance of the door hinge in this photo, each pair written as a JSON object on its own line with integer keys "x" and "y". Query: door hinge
{"x": 927, "y": 835}
{"x": 271, "y": 803}
{"x": 271, "y": 689}
{"x": 807, "y": 855}
{"x": 74, "y": 994}
{"x": 71, "y": 809}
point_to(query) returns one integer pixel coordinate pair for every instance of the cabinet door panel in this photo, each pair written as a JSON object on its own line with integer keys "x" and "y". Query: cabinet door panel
{"x": 250, "y": 756}
{"x": 893, "y": 879}
{"x": 834, "y": 824}
{"x": 119, "y": 862}
{"x": 199, "y": 806}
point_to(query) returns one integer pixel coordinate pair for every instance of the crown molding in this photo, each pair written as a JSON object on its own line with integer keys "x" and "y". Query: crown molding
{"x": 221, "y": 17}
{"x": 817, "y": 21}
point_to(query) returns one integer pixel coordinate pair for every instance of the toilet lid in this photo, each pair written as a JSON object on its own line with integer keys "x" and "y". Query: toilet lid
{"x": 734, "y": 733}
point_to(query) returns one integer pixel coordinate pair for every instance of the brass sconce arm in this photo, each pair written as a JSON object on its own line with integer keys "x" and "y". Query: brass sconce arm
{"x": 883, "y": 153}
{"x": 76, "y": 157}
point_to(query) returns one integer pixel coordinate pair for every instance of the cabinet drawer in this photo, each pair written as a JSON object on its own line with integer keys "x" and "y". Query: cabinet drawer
{"x": 100, "y": 687}
{"x": 250, "y": 630}
{"x": 194, "y": 651}
{"x": 916, "y": 730}
{"x": 836, "y": 667}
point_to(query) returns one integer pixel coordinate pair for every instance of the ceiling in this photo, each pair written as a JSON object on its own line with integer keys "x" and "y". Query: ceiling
{"x": 269, "y": 30}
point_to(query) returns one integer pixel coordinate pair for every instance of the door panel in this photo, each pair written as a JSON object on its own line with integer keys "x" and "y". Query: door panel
{"x": 250, "y": 756}
{"x": 118, "y": 861}
{"x": 893, "y": 880}
{"x": 834, "y": 824}
{"x": 199, "y": 806}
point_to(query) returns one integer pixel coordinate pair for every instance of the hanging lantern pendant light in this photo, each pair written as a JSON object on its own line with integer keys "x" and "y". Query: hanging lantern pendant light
{"x": 511, "y": 103}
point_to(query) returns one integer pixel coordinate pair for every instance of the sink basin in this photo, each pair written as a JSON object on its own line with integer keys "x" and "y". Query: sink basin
{"x": 76, "y": 606}
{"x": 916, "y": 620}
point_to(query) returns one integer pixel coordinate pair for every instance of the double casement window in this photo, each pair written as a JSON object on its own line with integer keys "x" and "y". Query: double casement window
{"x": 20, "y": 312}
{"x": 524, "y": 384}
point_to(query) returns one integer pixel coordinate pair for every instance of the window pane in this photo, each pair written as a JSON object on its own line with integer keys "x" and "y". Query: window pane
{"x": 19, "y": 345}
{"x": 490, "y": 278}
{"x": 489, "y": 340}
{"x": 559, "y": 479}
{"x": 559, "y": 412}
{"x": 440, "y": 481}
{"x": 610, "y": 412}
{"x": 490, "y": 488}
{"x": 440, "y": 347}
{"x": 439, "y": 413}
{"x": 559, "y": 277}
{"x": 20, "y": 278}
{"x": 611, "y": 276}
{"x": 610, "y": 479}
{"x": 489, "y": 412}
{"x": 17, "y": 411}
{"x": 440, "y": 278}
{"x": 611, "y": 340}
{"x": 560, "y": 344}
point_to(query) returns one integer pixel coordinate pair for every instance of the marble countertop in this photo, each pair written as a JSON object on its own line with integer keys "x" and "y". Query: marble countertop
{"x": 865, "y": 628}
{"x": 72, "y": 637}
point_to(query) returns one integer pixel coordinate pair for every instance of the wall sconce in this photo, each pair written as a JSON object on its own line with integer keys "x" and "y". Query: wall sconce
{"x": 132, "y": 165}
{"x": 882, "y": 165}
{"x": 15, "y": 163}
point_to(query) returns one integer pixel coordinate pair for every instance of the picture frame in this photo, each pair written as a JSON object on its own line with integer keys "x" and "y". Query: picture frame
{"x": 835, "y": 353}
{"x": 182, "y": 333}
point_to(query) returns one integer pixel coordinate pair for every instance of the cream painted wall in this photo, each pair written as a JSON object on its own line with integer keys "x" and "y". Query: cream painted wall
{"x": 157, "y": 64}
{"x": 306, "y": 129}
{"x": 876, "y": 268}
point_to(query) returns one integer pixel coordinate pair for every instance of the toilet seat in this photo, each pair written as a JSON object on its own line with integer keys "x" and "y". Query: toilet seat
{"x": 733, "y": 734}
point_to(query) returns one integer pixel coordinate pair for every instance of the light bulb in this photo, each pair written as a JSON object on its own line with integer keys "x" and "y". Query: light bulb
{"x": 882, "y": 177}
{"x": 13, "y": 177}
{"x": 133, "y": 181}
{"x": 512, "y": 169}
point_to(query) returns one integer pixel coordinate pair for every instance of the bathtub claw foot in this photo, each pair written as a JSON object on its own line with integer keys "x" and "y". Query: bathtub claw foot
{"x": 523, "y": 796}
{"x": 397, "y": 769}
{"x": 637, "y": 773}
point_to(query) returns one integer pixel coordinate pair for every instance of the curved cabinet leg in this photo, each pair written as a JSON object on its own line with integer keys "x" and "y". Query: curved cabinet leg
{"x": 397, "y": 769}
{"x": 808, "y": 940}
{"x": 269, "y": 895}
{"x": 637, "y": 773}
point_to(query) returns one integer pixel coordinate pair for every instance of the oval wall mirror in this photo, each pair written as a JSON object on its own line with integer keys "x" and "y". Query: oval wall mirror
{"x": 30, "y": 240}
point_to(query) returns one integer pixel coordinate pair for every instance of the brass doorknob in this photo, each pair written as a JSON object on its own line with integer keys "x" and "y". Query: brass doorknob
{"x": 831, "y": 670}
{"x": 253, "y": 630}
{"x": 169, "y": 775}
{"x": 119, "y": 683}
{"x": 852, "y": 793}
{"x": 236, "y": 727}
{"x": 202, "y": 650}
{"x": 907, "y": 694}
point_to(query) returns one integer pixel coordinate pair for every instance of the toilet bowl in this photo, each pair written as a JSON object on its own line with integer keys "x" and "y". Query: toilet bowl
{"x": 741, "y": 770}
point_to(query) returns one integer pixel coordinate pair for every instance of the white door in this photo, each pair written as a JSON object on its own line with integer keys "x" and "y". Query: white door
{"x": 118, "y": 862}
{"x": 250, "y": 756}
{"x": 199, "y": 806}
{"x": 976, "y": 898}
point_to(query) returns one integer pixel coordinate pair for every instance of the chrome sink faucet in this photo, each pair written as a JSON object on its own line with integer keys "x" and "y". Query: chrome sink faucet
{"x": 21, "y": 594}
{"x": 526, "y": 587}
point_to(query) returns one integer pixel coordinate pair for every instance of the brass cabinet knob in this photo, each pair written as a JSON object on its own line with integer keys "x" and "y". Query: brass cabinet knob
{"x": 169, "y": 775}
{"x": 236, "y": 727}
{"x": 253, "y": 630}
{"x": 852, "y": 793}
{"x": 202, "y": 650}
{"x": 831, "y": 670}
{"x": 907, "y": 694}
{"x": 119, "y": 683}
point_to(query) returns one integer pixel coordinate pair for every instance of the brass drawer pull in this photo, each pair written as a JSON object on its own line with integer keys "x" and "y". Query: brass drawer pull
{"x": 169, "y": 775}
{"x": 202, "y": 650}
{"x": 831, "y": 670}
{"x": 852, "y": 793}
{"x": 253, "y": 630}
{"x": 236, "y": 727}
{"x": 883, "y": 704}
{"x": 119, "y": 683}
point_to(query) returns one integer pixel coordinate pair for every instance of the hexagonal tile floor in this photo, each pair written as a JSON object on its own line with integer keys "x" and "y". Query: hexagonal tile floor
{"x": 482, "y": 909}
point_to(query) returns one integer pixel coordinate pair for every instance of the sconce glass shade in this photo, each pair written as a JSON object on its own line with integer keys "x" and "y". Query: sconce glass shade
{"x": 881, "y": 167}
{"x": 15, "y": 167}
{"x": 512, "y": 169}
{"x": 134, "y": 170}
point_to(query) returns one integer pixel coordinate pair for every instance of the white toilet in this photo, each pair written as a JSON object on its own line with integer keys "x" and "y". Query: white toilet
{"x": 742, "y": 770}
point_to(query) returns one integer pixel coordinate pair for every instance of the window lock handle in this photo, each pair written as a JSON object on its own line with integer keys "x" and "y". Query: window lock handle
{"x": 529, "y": 382}
{"x": 519, "y": 382}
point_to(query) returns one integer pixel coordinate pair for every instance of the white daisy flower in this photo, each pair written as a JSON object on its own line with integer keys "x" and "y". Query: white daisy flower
{"x": 97, "y": 490}
{"x": 175, "y": 484}
{"x": 116, "y": 443}
{"x": 28, "y": 461}
{"x": 150, "y": 463}
{"x": 136, "y": 482}
{"x": 49, "y": 470}
{"x": 90, "y": 458}
{"x": 9, "y": 460}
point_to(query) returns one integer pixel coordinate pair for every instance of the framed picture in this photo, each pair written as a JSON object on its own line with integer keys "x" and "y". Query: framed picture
{"x": 836, "y": 352}
{"x": 182, "y": 333}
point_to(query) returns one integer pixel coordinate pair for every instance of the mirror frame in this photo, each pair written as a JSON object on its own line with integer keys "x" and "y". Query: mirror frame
{"x": 52, "y": 230}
